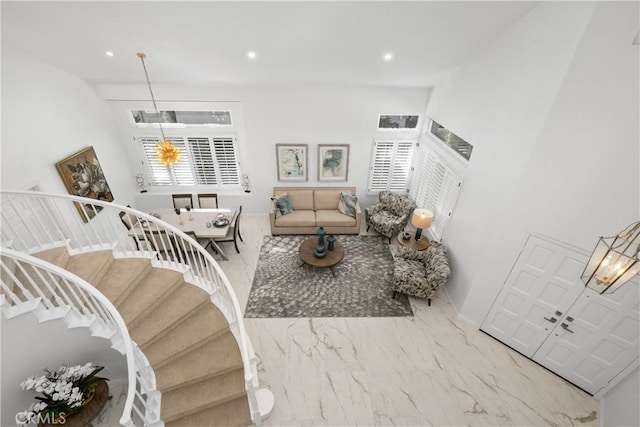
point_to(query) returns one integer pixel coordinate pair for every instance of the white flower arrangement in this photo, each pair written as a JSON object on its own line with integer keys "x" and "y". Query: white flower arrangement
{"x": 64, "y": 391}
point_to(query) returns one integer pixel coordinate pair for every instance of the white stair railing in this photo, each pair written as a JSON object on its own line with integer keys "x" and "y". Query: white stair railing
{"x": 27, "y": 279}
{"x": 34, "y": 221}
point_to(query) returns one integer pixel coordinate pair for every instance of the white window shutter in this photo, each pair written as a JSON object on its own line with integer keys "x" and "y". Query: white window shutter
{"x": 182, "y": 171}
{"x": 381, "y": 162}
{"x": 390, "y": 165}
{"x": 203, "y": 162}
{"x": 401, "y": 166}
{"x": 226, "y": 151}
{"x": 158, "y": 173}
{"x": 437, "y": 190}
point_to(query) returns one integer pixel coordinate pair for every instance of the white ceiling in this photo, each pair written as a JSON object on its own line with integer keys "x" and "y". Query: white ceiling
{"x": 206, "y": 42}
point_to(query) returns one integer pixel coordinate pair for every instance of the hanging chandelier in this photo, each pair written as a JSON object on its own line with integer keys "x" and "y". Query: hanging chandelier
{"x": 614, "y": 261}
{"x": 167, "y": 152}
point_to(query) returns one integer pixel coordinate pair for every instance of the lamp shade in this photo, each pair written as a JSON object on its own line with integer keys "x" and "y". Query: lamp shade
{"x": 614, "y": 261}
{"x": 422, "y": 218}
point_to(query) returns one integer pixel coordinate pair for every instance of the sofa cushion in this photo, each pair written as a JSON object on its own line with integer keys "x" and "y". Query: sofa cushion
{"x": 333, "y": 218}
{"x": 297, "y": 218}
{"x": 282, "y": 204}
{"x": 300, "y": 199}
{"x": 347, "y": 204}
{"x": 327, "y": 199}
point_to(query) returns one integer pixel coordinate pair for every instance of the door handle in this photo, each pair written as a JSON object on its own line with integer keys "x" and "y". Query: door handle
{"x": 566, "y": 327}
{"x": 552, "y": 320}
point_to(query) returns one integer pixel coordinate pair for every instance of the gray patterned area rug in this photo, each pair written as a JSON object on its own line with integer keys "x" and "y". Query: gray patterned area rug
{"x": 361, "y": 288}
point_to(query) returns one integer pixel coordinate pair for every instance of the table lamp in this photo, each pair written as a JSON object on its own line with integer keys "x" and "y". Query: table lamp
{"x": 421, "y": 219}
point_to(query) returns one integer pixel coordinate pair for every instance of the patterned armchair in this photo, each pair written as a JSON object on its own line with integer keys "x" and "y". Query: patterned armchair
{"x": 391, "y": 214}
{"x": 420, "y": 273}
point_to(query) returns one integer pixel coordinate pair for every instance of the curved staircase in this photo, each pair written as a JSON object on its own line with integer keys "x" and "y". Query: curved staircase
{"x": 185, "y": 337}
{"x": 190, "y": 361}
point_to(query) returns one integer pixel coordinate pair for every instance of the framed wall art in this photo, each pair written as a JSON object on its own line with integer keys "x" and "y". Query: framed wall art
{"x": 82, "y": 176}
{"x": 292, "y": 162}
{"x": 333, "y": 162}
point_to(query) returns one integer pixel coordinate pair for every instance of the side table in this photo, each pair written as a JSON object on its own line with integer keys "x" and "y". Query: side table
{"x": 418, "y": 245}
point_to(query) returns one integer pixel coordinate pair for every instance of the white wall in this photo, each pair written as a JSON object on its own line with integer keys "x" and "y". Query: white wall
{"x": 620, "y": 406}
{"x": 28, "y": 347}
{"x": 304, "y": 115}
{"x": 47, "y": 115}
{"x": 554, "y": 127}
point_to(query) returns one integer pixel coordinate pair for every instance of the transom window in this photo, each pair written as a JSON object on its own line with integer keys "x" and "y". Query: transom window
{"x": 204, "y": 160}
{"x": 171, "y": 118}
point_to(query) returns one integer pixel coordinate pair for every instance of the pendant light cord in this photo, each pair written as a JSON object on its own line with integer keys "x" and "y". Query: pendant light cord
{"x": 142, "y": 55}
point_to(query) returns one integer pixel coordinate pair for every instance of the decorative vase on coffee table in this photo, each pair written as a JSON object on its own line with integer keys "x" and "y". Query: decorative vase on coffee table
{"x": 331, "y": 240}
{"x": 320, "y": 251}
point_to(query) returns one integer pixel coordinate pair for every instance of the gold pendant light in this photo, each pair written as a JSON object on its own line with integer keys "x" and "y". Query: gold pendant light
{"x": 168, "y": 154}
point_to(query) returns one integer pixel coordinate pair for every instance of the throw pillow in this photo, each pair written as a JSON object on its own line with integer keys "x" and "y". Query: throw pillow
{"x": 347, "y": 204}
{"x": 282, "y": 204}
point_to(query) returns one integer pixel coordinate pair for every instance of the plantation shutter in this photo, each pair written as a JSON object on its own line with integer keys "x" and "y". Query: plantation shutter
{"x": 158, "y": 173}
{"x": 401, "y": 166}
{"x": 437, "y": 190}
{"x": 227, "y": 159}
{"x": 390, "y": 165}
{"x": 182, "y": 171}
{"x": 203, "y": 163}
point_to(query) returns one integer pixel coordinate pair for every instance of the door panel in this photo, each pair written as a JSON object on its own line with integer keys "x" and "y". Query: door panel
{"x": 600, "y": 337}
{"x": 545, "y": 280}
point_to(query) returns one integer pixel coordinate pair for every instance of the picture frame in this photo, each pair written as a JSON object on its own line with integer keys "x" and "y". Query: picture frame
{"x": 292, "y": 162}
{"x": 333, "y": 162}
{"x": 82, "y": 176}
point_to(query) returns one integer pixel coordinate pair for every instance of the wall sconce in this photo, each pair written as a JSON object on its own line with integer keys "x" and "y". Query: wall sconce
{"x": 245, "y": 183}
{"x": 614, "y": 261}
{"x": 421, "y": 219}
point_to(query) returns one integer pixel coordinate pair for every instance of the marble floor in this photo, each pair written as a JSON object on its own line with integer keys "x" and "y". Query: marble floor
{"x": 428, "y": 370}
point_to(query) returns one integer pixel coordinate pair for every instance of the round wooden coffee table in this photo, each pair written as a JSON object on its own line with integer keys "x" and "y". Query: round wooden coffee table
{"x": 308, "y": 247}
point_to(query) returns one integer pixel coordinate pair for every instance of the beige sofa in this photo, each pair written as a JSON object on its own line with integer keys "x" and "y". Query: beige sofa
{"x": 314, "y": 207}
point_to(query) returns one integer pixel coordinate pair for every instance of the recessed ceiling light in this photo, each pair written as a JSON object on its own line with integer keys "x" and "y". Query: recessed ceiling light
{"x": 388, "y": 56}
{"x": 108, "y": 53}
{"x": 251, "y": 55}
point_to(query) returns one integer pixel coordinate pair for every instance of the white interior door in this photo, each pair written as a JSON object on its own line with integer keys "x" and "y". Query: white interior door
{"x": 543, "y": 283}
{"x": 596, "y": 339}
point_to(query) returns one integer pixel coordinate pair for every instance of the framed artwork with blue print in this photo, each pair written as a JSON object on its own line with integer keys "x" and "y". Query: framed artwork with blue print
{"x": 333, "y": 162}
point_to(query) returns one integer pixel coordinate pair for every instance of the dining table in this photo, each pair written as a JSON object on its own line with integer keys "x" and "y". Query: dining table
{"x": 209, "y": 224}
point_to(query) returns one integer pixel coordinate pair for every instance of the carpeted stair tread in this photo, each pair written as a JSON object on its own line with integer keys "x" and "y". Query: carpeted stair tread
{"x": 202, "y": 395}
{"x": 152, "y": 290}
{"x": 216, "y": 357}
{"x": 232, "y": 413}
{"x": 91, "y": 266}
{"x": 206, "y": 323}
{"x": 58, "y": 256}
{"x": 122, "y": 277}
{"x": 168, "y": 314}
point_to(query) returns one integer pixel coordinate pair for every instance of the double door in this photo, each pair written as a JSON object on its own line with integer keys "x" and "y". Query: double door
{"x": 545, "y": 312}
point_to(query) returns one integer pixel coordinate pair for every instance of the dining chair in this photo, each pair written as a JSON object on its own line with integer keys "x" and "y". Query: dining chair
{"x": 234, "y": 232}
{"x": 189, "y": 253}
{"x": 129, "y": 221}
{"x": 162, "y": 243}
{"x": 182, "y": 200}
{"x": 208, "y": 201}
